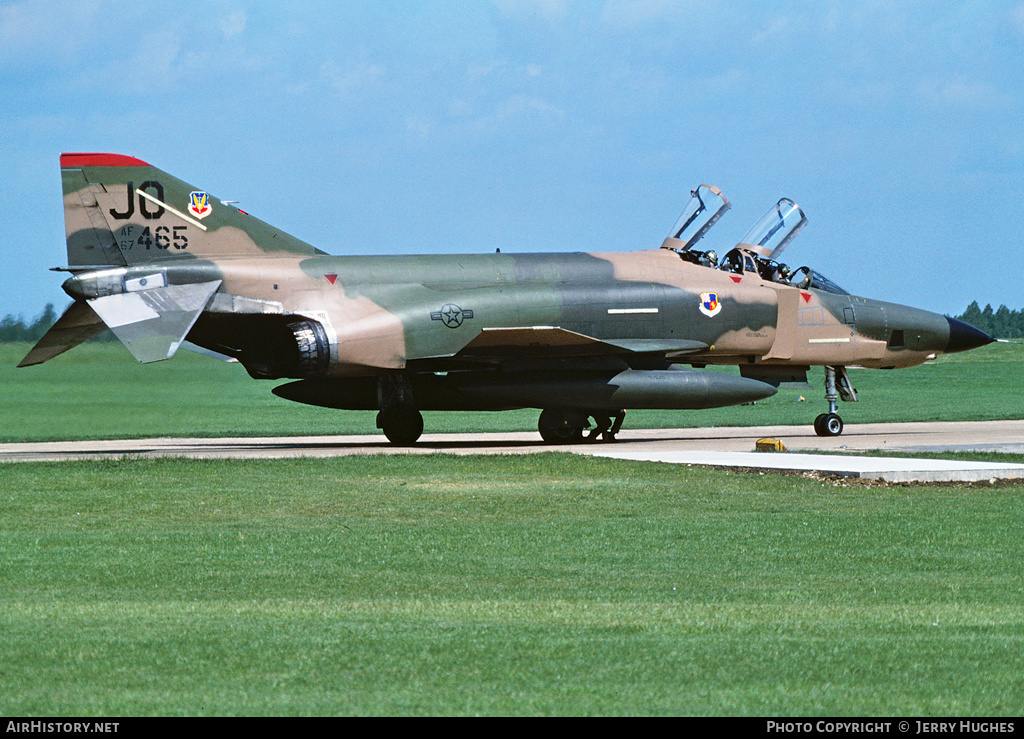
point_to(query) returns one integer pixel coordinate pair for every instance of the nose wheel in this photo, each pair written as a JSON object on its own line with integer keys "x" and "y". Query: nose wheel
{"x": 837, "y": 385}
{"x": 828, "y": 424}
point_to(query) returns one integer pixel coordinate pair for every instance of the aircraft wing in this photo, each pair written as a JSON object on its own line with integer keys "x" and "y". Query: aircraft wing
{"x": 549, "y": 342}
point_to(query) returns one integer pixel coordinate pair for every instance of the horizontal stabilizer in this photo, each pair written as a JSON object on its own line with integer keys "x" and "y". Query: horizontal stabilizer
{"x": 153, "y": 323}
{"x": 551, "y": 341}
{"x": 78, "y": 324}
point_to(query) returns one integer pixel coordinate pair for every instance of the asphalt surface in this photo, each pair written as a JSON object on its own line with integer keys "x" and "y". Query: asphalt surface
{"x": 730, "y": 446}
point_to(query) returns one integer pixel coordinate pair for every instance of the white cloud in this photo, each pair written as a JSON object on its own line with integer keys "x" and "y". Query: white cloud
{"x": 962, "y": 92}
{"x": 234, "y": 24}
{"x": 29, "y": 29}
{"x": 1016, "y": 16}
{"x": 776, "y": 28}
{"x": 526, "y": 106}
{"x": 513, "y": 117}
{"x": 630, "y": 13}
{"x": 19, "y": 24}
{"x": 348, "y": 81}
{"x": 420, "y": 126}
{"x": 549, "y": 10}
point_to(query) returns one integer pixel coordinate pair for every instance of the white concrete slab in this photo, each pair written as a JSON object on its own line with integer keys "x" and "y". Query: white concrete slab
{"x": 890, "y": 469}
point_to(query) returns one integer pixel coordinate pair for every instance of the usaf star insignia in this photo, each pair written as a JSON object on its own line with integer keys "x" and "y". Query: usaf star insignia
{"x": 451, "y": 315}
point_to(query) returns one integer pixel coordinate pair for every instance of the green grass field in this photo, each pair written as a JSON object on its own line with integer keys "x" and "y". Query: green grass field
{"x": 545, "y": 584}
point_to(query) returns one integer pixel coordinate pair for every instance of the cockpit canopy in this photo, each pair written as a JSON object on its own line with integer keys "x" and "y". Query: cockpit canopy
{"x": 775, "y": 229}
{"x": 706, "y": 206}
{"x": 757, "y": 251}
{"x": 805, "y": 278}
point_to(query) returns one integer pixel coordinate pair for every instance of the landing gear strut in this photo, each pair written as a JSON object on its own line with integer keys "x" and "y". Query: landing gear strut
{"x": 399, "y": 419}
{"x": 837, "y": 384}
{"x": 570, "y": 426}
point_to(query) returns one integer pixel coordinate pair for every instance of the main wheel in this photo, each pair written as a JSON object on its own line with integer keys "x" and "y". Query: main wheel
{"x": 402, "y": 424}
{"x": 828, "y": 424}
{"x": 562, "y": 425}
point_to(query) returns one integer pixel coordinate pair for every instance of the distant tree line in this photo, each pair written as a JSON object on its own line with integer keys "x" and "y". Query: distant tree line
{"x": 1002, "y": 323}
{"x": 16, "y": 328}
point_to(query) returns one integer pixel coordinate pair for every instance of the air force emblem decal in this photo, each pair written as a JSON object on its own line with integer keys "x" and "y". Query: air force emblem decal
{"x": 199, "y": 204}
{"x": 709, "y": 304}
{"x": 451, "y": 315}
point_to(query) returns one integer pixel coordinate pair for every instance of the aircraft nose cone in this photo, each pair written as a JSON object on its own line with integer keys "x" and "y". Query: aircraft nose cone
{"x": 963, "y": 336}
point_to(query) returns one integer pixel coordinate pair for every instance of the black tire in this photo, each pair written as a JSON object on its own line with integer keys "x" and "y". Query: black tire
{"x": 828, "y": 424}
{"x": 562, "y": 425}
{"x": 402, "y": 424}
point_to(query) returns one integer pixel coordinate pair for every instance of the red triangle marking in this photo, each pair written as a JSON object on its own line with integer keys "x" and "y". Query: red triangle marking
{"x": 331, "y": 278}
{"x": 735, "y": 278}
{"x": 806, "y": 297}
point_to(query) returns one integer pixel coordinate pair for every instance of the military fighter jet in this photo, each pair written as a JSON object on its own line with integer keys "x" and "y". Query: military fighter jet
{"x": 580, "y": 336}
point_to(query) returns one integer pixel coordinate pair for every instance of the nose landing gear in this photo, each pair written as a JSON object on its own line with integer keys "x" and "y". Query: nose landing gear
{"x": 837, "y": 385}
{"x": 828, "y": 424}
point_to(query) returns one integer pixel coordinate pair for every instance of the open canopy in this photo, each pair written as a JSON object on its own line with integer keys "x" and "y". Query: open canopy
{"x": 706, "y": 206}
{"x": 775, "y": 229}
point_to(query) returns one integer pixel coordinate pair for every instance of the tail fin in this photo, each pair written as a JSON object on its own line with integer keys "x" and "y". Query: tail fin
{"x": 120, "y": 211}
{"x": 128, "y": 224}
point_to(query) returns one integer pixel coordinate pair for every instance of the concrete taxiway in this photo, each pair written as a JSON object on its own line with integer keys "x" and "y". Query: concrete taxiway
{"x": 729, "y": 447}
{"x": 890, "y": 469}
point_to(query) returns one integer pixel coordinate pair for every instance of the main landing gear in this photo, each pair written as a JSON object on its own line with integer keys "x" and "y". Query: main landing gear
{"x": 401, "y": 423}
{"x": 398, "y": 418}
{"x": 570, "y": 426}
{"x": 837, "y": 385}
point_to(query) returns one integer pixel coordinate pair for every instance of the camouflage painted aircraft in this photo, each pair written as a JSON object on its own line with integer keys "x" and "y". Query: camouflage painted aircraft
{"x": 580, "y": 336}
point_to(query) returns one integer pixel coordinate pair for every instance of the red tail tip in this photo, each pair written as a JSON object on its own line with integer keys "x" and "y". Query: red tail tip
{"x": 71, "y": 161}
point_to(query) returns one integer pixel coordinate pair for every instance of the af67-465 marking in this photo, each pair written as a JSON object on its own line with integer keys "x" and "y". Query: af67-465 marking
{"x": 159, "y": 237}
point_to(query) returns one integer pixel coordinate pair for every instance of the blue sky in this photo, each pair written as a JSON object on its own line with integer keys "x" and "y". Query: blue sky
{"x": 540, "y": 125}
